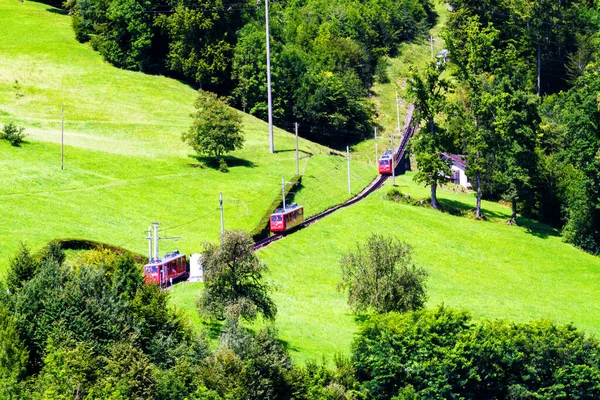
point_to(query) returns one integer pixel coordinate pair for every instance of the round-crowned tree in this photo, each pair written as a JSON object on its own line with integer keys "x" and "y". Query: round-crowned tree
{"x": 217, "y": 128}
{"x": 234, "y": 280}
{"x": 381, "y": 277}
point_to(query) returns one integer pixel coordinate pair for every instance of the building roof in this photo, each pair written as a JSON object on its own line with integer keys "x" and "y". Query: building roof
{"x": 456, "y": 159}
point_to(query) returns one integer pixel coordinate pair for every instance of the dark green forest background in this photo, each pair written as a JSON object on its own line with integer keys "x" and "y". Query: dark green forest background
{"x": 324, "y": 53}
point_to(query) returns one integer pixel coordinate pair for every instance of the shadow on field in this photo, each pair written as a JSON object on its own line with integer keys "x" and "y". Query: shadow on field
{"x": 286, "y": 345}
{"x": 231, "y": 161}
{"x": 57, "y": 11}
{"x": 212, "y": 328}
{"x": 458, "y": 208}
{"x": 537, "y": 229}
{"x": 301, "y": 152}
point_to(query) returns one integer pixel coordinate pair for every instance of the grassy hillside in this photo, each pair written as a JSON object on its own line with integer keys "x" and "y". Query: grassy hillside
{"x": 125, "y": 165}
{"x": 487, "y": 267}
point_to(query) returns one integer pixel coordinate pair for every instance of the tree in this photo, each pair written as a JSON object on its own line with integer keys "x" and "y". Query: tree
{"x": 428, "y": 94}
{"x": 217, "y": 128}
{"x": 21, "y": 269}
{"x": 381, "y": 277}
{"x": 13, "y": 356}
{"x": 234, "y": 281}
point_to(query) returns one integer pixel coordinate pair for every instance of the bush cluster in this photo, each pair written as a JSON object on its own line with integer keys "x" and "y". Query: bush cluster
{"x": 13, "y": 133}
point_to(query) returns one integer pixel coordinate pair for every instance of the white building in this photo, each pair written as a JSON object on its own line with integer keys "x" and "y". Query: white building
{"x": 458, "y": 165}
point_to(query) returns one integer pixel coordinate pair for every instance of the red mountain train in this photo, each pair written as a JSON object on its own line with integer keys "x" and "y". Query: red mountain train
{"x": 386, "y": 162}
{"x": 171, "y": 266}
{"x": 286, "y": 218}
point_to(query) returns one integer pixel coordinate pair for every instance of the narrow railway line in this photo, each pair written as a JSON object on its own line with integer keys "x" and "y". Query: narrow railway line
{"x": 373, "y": 186}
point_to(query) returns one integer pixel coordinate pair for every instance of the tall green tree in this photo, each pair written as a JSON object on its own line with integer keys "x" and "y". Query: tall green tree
{"x": 22, "y": 267}
{"x": 234, "y": 279}
{"x": 216, "y": 129}
{"x": 428, "y": 94}
{"x": 13, "y": 356}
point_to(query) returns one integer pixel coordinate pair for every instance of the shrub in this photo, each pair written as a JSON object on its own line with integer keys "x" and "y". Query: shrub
{"x": 13, "y": 133}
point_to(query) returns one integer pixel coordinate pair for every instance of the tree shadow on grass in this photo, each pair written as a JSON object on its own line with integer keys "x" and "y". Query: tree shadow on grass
{"x": 460, "y": 209}
{"x": 212, "y": 328}
{"x": 537, "y": 229}
{"x": 57, "y": 11}
{"x": 211, "y": 162}
{"x": 289, "y": 347}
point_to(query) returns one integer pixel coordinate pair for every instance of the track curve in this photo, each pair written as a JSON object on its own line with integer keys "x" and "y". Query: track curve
{"x": 373, "y": 186}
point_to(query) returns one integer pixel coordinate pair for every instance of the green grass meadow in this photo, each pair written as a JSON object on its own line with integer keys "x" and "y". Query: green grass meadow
{"x": 125, "y": 164}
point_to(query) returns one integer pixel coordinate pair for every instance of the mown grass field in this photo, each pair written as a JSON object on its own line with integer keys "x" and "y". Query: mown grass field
{"x": 125, "y": 165}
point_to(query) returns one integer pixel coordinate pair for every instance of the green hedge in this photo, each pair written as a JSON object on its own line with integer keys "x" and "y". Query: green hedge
{"x": 262, "y": 229}
{"x": 85, "y": 244}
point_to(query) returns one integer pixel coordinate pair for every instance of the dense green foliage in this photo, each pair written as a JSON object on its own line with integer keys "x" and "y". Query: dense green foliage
{"x": 428, "y": 93}
{"x": 81, "y": 333}
{"x": 441, "y": 353}
{"x": 380, "y": 276}
{"x": 324, "y": 53}
{"x": 523, "y": 144}
{"x": 13, "y": 134}
{"x": 216, "y": 129}
{"x": 234, "y": 280}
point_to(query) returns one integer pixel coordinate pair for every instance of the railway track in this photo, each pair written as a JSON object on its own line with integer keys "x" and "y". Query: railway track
{"x": 373, "y": 186}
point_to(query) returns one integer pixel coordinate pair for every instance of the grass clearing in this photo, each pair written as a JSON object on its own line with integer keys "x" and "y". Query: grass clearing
{"x": 125, "y": 164}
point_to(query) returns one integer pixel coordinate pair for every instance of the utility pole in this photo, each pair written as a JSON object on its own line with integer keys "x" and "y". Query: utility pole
{"x": 150, "y": 258}
{"x": 348, "y": 157}
{"x": 222, "y": 219}
{"x": 398, "y": 113}
{"x": 297, "y": 159}
{"x": 155, "y": 224}
{"x": 393, "y": 162}
{"x": 283, "y": 192}
{"x": 271, "y": 144}
{"x": 62, "y": 137}
{"x": 376, "y": 150}
{"x": 431, "y": 41}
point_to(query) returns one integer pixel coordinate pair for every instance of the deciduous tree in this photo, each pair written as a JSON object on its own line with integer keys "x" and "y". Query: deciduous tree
{"x": 428, "y": 93}
{"x": 234, "y": 280}
{"x": 217, "y": 128}
{"x": 380, "y": 276}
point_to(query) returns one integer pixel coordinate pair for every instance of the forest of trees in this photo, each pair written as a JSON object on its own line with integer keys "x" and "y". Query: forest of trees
{"x": 324, "y": 53}
{"x": 519, "y": 98}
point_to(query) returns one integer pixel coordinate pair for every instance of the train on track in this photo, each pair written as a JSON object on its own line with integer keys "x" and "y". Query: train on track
{"x": 386, "y": 163}
{"x": 286, "y": 218}
{"x": 163, "y": 271}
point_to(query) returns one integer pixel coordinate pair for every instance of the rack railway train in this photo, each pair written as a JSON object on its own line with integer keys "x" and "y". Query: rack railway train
{"x": 386, "y": 162}
{"x": 286, "y": 218}
{"x": 164, "y": 271}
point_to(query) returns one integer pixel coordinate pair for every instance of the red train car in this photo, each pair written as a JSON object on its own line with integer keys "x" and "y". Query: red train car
{"x": 162, "y": 271}
{"x": 286, "y": 218}
{"x": 386, "y": 163}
